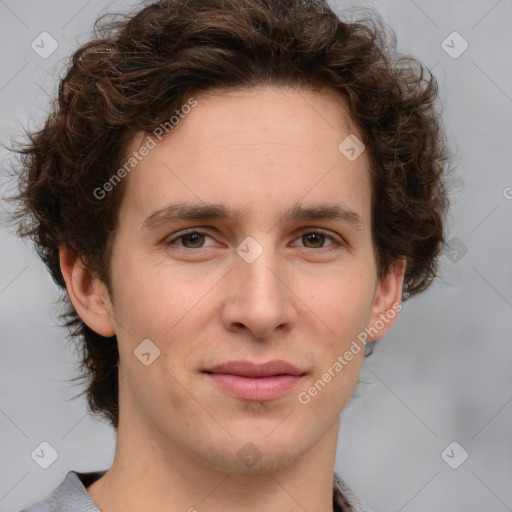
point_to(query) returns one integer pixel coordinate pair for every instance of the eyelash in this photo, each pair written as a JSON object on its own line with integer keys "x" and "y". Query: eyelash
{"x": 335, "y": 246}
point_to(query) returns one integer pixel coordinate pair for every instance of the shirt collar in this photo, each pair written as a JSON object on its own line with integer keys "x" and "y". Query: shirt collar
{"x": 71, "y": 495}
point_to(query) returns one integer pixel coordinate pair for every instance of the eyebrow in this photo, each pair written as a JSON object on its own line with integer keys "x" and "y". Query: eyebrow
{"x": 188, "y": 211}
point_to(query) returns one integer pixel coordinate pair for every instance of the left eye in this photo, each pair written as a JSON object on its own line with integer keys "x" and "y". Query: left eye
{"x": 318, "y": 237}
{"x": 196, "y": 239}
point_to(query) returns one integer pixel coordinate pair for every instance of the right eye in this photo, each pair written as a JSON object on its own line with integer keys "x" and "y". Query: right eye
{"x": 195, "y": 237}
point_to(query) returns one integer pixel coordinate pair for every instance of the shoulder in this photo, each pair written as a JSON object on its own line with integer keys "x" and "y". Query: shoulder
{"x": 70, "y": 496}
{"x": 346, "y": 499}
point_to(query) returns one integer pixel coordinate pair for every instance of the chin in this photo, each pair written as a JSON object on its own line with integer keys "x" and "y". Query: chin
{"x": 251, "y": 454}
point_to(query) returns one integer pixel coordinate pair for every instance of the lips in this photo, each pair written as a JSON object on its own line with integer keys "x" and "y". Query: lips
{"x": 255, "y": 382}
{"x": 249, "y": 369}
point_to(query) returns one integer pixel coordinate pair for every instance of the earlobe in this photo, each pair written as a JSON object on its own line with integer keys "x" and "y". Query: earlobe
{"x": 388, "y": 300}
{"x": 87, "y": 293}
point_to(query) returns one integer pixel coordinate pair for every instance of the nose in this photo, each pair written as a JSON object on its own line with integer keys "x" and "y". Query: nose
{"x": 258, "y": 298}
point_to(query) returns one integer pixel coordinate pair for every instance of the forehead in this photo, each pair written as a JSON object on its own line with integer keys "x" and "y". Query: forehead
{"x": 258, "y": 111}
{"x": 258, "y": 145}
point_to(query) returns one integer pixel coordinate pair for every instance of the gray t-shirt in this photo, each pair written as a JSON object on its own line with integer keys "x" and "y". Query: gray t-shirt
{"x": 71, "y": 496}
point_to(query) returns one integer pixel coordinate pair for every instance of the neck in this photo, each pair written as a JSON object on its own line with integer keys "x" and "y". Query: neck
{"x": 160, "y": 475}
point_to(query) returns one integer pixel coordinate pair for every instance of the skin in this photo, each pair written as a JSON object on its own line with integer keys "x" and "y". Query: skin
{"x": 260, "y": 151}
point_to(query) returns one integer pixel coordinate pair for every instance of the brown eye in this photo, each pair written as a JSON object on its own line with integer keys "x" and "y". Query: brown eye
{"x": 316, "y": 239}
{"x": 196, "y": 239}
{"x": 192, "y": 239}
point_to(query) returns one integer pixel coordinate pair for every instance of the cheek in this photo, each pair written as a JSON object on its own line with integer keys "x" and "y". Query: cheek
{"x": 344, "y": 305}
{"x": 328, "y": 390}
{"x": 147, "y": 291}
{"x": 164, "y": 304}
{"x": 343, "y": 300}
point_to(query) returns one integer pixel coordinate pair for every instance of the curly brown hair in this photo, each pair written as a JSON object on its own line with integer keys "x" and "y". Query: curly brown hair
{"x": 140, "y": 68}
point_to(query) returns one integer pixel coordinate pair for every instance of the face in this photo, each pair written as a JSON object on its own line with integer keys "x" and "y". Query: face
{"x": 264, "y": 286}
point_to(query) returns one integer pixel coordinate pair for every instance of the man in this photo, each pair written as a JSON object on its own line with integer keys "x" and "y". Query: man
{"x": 236, "y": 196}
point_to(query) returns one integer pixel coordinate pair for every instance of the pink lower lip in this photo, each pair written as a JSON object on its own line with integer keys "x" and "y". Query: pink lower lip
{"x": 255, "y": 388}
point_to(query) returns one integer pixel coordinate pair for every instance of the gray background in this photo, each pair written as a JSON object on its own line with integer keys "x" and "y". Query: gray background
{"x": 442, "y": 374}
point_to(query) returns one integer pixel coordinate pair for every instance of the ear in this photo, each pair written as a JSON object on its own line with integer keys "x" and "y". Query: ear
{"x": 87, "y": 292}
{"x": 388, "y": 300}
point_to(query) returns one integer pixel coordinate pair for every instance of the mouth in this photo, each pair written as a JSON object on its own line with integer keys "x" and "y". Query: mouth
{"x": 255, "y": 382}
